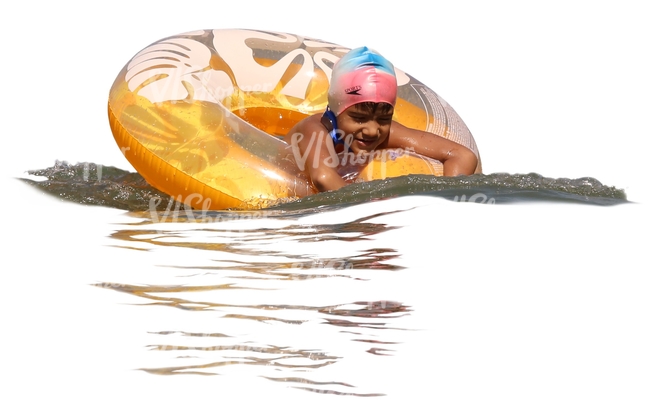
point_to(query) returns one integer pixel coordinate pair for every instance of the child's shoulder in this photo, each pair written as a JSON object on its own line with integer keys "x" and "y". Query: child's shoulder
{"x": 309, "y": 125}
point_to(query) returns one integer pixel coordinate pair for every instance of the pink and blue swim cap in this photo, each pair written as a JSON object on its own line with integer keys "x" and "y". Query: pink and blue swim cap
{"x": 361, "y": 75}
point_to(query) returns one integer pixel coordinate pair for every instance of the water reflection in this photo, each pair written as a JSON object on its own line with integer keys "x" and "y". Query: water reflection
{"x": 280, "y": 281}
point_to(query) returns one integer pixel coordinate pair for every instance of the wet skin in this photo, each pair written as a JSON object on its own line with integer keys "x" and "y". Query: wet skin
{"x": 366, "y": 129}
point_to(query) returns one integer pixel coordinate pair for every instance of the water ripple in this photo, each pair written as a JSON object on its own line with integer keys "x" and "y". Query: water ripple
{"x": 264, "y": 277}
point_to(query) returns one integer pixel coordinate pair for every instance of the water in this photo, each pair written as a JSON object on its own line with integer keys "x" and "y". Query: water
{"x": 89, "y": 183}
{"x": 362, "y": 305}
{"x": 256, "y": 288}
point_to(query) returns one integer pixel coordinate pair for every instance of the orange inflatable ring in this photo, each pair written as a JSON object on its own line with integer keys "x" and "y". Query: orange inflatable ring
{"x": 201, "y": 116}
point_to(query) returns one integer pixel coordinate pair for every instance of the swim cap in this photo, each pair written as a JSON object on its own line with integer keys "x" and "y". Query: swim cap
{"x": 361, "y": 75}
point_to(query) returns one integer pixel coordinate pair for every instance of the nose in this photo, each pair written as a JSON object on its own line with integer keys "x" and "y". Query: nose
{"x": 371, "y": 129}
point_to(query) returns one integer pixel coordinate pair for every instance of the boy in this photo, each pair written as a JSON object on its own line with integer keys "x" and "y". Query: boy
{"x": 359, "y": 118}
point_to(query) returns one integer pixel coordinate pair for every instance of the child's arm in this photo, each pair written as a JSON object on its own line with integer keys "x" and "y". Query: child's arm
{"x": 456, "y": 159}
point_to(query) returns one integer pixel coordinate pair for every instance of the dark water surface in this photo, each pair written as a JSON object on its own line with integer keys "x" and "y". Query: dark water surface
{"x": 92, "y": 184}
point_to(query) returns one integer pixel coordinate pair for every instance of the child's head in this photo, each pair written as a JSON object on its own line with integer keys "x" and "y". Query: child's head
{"x": 361, "y": 75}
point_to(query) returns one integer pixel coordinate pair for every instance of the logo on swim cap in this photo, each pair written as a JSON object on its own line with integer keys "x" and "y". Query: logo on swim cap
{"x": 361, "y": 75}
{"x": 354, "y": 90}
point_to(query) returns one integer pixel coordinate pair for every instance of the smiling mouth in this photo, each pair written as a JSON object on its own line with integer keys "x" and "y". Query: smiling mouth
{"x": 367, "y": 140}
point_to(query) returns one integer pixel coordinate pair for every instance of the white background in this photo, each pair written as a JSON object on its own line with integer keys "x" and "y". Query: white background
{"x": 559, "y": 88}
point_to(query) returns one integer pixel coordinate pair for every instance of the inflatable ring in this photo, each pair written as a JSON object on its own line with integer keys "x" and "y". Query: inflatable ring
{"x": 201, "y": 116}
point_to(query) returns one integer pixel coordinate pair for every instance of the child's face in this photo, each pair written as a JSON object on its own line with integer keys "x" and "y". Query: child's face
{"x": 367, "y": 126}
